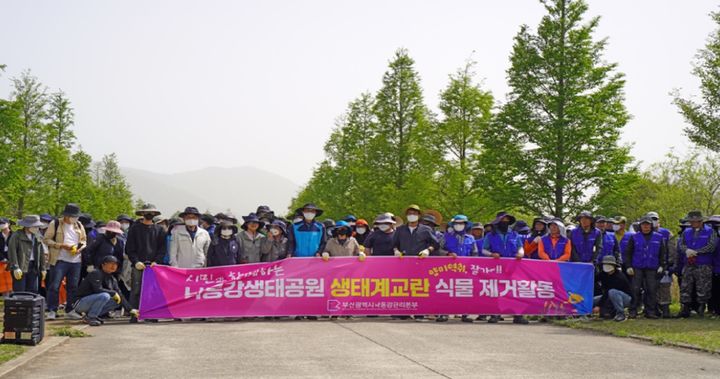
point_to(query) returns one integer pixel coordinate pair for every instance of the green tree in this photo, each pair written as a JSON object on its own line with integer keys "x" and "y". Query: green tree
{"x": 112, "y": 189}
{"x": 704, "y": 116}
{"x": 58, "y": 165}
{"x": 556, "y": 140}
{"x": 466, "y": 110}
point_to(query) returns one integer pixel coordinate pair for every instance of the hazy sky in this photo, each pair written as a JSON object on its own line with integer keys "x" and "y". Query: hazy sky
{"x": 178, "y": 85}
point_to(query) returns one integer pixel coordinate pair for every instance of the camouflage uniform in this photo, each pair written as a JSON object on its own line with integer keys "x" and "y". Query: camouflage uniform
{"x": 699, "y": 279}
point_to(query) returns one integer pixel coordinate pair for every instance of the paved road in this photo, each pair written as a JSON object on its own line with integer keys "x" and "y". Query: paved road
{"x": 360, "y": 348}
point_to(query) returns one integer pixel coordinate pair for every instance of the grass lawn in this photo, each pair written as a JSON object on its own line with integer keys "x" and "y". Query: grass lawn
{"x": 701, "y": 333}
{"x": 8, "y": 352}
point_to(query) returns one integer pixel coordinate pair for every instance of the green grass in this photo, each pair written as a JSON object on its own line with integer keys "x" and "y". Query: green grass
{"x": 67, "y": 331}
{"x": 700, "y": 333}
{"x": 9, "y": 351}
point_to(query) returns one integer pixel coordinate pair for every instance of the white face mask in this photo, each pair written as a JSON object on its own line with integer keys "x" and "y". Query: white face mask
{"x": 124, "y": 226}
{"x": 191, "y": 222}
{"x": 309, "y": 215}
{"x": 384, "y": 227}
{"x": 413, "y": 218}
{"x": 226, "y": 232}
{"x": 459, "y": 227}
{"x": 361, "y": 230}
{"x": 608, "y": 268}
{"x": 616, "y": 228}
{"x": 275, "y": 232}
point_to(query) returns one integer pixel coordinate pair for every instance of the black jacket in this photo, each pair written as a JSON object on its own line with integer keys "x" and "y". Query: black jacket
{"x": 97, "y": 282}
{"x": 101, "y": 247}
{"x": 145, "y": 243}
{"x": 223, "y": 252}
{"x": 617, "y": 281}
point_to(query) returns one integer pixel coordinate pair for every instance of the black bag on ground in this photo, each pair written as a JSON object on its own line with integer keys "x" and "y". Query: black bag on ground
{"x": 24, "y": 321}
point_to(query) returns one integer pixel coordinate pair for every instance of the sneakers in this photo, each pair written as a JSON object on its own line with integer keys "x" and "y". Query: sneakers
{"x": 73, "y": 315}
{"x": 94, "y": 322}
{"x": 493, "y": 319}
{"x": 441, "y": 318}
{"x": 51, "y": 315}
{"x": 620, "y": 317}
{"x": 465, "y": 318}
{"x": 520, "y": 320}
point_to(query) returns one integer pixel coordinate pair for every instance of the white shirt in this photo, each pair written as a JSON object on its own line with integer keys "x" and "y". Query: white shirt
{"x": 70, "y": 237}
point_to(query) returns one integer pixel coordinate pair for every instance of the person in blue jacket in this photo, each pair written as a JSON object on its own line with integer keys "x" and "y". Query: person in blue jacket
{"x": 587, "y": 240}
{"x": 307, "y": 237}
{"x": 610, "y": 245}
{"x": 456, "y": 241}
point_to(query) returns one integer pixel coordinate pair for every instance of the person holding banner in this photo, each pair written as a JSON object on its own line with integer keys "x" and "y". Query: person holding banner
{"x": 555, "y": 246}
{"x": 414, "y": 238}
{"x": 250, "y": 239}
{"x": 275, "y": 245}
{"x": 456, "y": 241}
{"x": 306, "y": 237}
{"x": 504, "y": 243}
{"x": 380, "y": 240}
{"x": 342, "y": 244}
{"x": 531, "y": 243}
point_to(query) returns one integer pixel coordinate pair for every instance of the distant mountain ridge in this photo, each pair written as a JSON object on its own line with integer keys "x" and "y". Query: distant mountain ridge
{"x": 214, "y": 189}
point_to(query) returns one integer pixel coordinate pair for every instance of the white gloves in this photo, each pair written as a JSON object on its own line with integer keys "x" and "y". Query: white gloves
{"x": 325, "y": 256}
{"x": 660, "y": 270}
{"x": 630, "y": 271}
{"x": 398, "y": 253}
{"x": 17, "y": 273}
{"x": 537, "y": 240}
{"x": 361, "y": 257}
{"x": 134, "y": 312}
{"x": 691, "y": 253}
{"x": 519, "y": 256}
{"x": 140, "y": 266}
{"x": 424, "y": 253}
{"x": 90, "y": 269}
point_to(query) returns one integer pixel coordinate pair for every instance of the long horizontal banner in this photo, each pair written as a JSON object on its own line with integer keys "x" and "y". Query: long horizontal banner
{"x": 376, "y": 286}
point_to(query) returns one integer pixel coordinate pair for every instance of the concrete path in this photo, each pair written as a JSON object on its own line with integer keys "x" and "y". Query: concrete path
{"x": 366, "y": 348}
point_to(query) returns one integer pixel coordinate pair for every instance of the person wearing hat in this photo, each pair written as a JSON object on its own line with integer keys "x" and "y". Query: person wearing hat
{"x": 144, "y": 246}
{"x": 26, "y": 256}
{"x": 307, "y": 237}
{"x": 66, "y": 240}
{"x": 615, "y": 287}
{"x": 380, "y": 240}
{"x": 99, "y": 293}
{"x": 126, "y": 221}
{"x": 587, "y": 240}
{"x": 414, "y": 238}
{"x": 351, "y": 220}
{"x": 432, "y": 221}
{"x": 107, "y": 243}
{"x": 503, "y": 242}
{"x": 622, "y": 235}
{"x": 6, "y": 281}
{"x": 647, "y": 257}
{"x": 666, "y": 233}
{"x": 342, "y": 243}
{"x": 531, "y": 242}
{"x": 275, "y": 245}
{"x": 698, "y": 245}
{"x": 207, "y": 222}
{"x": 362, "y": 231}
{"x": 555, "y": 246}
{"x": 610, "y": 244}
{"x": 457, "y": 241}
{"x": 224, "y": 248}
{"x": 478, "y": 231}
{"x": 162, "y": 221}
{"x": 190, "y": 243}
{"x": 250, "y": 239}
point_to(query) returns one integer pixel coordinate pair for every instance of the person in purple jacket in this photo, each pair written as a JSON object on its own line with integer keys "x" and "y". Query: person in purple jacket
{"x": 698, "y": 244}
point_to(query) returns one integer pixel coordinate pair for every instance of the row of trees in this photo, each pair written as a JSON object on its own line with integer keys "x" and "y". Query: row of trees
{"x": 43, "y": 166}
{"x": 551, "y": 148}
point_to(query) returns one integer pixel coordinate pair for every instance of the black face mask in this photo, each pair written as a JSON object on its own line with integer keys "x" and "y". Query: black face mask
{"x": 109, "y": 234}
{"x": 503, "y": 226}
{"x": 148, "y": 216}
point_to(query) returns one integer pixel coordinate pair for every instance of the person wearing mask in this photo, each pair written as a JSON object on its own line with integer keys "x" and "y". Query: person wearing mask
{"x": 275, "y": 245}
{"x": 657, "y": 227}
{"x": 342, "y": 243}
{"x": 531, "y": 242}
{"x": 414, "y": 238}
{"x": 66, "y": 240}
{"x": 251, "y": 240}
{"x": 306, "y": 237}
{"x": 144, "y": 246}
{"x": 478, "y": 230}
{"x": 457, "y": 241}
{"x": 622, "y": 235}
{"x": 100, "y": 294}
{"x": 125, "y": 223}
{"x": 616, "y": 288}
{"x": 647, "y": 257}
{"x": 207, "y": 222}
{"x": 555, "y": 246}
{"x": 190, "y": 243}
{"x": 610, "y": 245}
{"x": 380, "y": 240}
{"x": 362, "y": 231}
{"x": 351, "y": 220}
{"x": 698, "y": 245}
{"x": 587, "y": 240}
{"x": 106, "y": 243}
{"x": 224, "y": 248}
{"x": 502, "y": 242}
{"x": 26, "y": 256}
{"x": 163, "y": 222}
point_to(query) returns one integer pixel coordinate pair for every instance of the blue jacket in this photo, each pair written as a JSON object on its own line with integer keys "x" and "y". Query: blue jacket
{"x": 647, "y": 252}
{"x": 610, "y": 247}
{"x": 223, "y": 252}
{"x": 585, "y": 246}
{"x": 306, "y": 239}
{"x": 452, "y": 244}
{"x": 623, "y": 245}
{"x": 507, "y": 245}
{"x": 699, "y": 243}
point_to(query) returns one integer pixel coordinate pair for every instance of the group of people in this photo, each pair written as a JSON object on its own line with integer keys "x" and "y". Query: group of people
{"x": 101, "y": 263}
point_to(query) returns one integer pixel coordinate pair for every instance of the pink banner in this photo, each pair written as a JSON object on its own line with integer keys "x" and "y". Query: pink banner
{"x": 376, "y": 286}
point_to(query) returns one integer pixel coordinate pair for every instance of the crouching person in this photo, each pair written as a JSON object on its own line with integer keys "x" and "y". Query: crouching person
{"x": 616, "y": 288}
{"x": 99, "y": 293}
